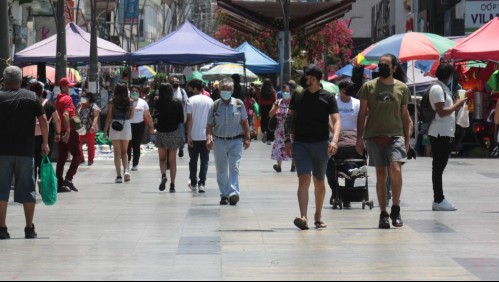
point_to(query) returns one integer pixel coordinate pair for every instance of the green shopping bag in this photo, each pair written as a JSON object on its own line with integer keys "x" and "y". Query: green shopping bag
{"x": 48, "y": 182}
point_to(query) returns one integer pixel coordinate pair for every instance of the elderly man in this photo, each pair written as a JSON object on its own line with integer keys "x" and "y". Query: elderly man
{"x": 18, "y": 110}
{"x": 227, "y": 133}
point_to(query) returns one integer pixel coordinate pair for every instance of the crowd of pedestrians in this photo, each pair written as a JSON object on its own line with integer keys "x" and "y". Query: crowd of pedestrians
{"x": 311, "y": 126}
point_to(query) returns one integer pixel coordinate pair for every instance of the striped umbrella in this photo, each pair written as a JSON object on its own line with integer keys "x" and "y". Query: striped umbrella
{"x": 407, "y": 47}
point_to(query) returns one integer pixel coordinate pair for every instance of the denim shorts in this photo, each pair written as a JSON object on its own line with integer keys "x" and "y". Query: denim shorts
{"x": 311, "y": 157}
{"x": 381, "y": 155}
{"x": 22, "y": 169}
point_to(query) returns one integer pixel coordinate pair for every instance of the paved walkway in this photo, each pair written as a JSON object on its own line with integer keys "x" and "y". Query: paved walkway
{"x": 132, "y": 231}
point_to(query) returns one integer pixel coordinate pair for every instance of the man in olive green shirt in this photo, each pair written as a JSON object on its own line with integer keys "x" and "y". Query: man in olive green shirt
{"x": 386, "y": 131}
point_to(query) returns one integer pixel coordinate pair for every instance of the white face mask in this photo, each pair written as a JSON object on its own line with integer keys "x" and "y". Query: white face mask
{"x": 83, "y": 100}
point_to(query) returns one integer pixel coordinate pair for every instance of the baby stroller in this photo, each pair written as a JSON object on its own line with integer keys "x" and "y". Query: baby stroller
{"x": 350, "y": 169}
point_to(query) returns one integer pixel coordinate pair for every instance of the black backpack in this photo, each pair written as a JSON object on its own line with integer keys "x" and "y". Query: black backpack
{"x": 426, "y": 111}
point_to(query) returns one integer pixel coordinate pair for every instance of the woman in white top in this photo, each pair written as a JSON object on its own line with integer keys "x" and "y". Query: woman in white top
{"x": 142, "y": 114}
{"x": 441, "y": 132}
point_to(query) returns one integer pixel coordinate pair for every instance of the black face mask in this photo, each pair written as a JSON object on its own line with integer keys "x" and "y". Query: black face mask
{"x": 384, "y": 70}
{"x": 175, "y": 85}
{"x": 350, "y": 91}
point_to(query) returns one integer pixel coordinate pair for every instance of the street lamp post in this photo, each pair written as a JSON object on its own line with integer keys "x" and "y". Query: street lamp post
{"x": 61, "y": 57}
{"x": 4, "y": 34}
{"x": 93, "y": 85}
{"x": 286, "y": 61}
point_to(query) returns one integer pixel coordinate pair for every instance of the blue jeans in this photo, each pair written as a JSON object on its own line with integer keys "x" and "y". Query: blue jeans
{"x": 22, "y": 169}
{"x": 227, "y": 158}
{"x": 198, "y": 150}
{"x": 181, "y": 127}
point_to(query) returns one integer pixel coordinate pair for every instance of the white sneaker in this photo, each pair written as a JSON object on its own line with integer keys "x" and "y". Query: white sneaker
{"x": 135, "y": 168}
{"x": 361, "y": 171}
{"x": 202, "y": 189}
{"x": 127, "y": 176}
{"x": 443, "y": 206}
{"x": 192, "y": 187}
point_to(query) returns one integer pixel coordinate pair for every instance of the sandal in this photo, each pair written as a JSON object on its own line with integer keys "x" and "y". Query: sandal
{"x": 319, "y": 224}
{"x": 301, "y": 223}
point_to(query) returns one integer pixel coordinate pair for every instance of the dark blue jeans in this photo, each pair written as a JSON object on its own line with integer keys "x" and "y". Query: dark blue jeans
{"x": 199, "y": 150}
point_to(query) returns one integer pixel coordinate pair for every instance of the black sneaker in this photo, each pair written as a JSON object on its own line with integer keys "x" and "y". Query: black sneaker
{"x": 172, "y": 188}
{"x": 62, "y": 189}
{"x": 277, "y": 168}
{"x": 29, "y": 233}
{"x": 70, "y": 185}
{"x": 347, "y": 205}
{"x": 384, "y": 220}
{"x": 293, "y": 168}
{"x": 395, "y": 216}
{"x": 224, "y": 201}
{"x": 4, "y": 234}
{"x": 162, "y": 186}
{"x": 233, "y": 200}
{"x": 181, "y": 153}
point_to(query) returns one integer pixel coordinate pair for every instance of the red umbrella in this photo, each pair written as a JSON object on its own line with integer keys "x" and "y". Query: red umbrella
{"x": 32, "y": 70}
{"x": 481, "y": 45}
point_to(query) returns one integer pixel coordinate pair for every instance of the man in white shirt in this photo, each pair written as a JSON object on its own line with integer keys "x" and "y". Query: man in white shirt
{"x": 181, "y": 95}
{"x": 197, "y": 111}
{"x": 348, "y": 108}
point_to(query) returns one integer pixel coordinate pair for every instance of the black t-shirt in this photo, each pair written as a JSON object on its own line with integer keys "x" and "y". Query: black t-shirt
{"x": 168, "y": 114}
{"x": 311, "y": 115}
{"x": 18, "y": 110}
{"x": 50, "y": 109}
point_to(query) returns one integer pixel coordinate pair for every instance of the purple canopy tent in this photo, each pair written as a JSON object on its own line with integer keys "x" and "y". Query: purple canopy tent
{"x": 186, "y": 46}
{"x": 77, "y": 46}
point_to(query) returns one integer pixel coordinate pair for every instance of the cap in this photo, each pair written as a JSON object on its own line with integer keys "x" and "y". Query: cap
{"x": 314, "y": 71}
{"x": 64, "y": 82}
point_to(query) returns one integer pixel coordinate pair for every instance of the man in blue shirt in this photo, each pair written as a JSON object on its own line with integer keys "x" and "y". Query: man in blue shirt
{"x": 227, "y": 133}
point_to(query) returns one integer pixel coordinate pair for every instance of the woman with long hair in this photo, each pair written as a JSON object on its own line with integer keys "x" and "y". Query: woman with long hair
{"x": 266, "y": 100}
{"x": 280, "y": 110}
{"x": 54, "y": 126}
{"x": 169, "y": 114}
{"x": 119, "y": 114}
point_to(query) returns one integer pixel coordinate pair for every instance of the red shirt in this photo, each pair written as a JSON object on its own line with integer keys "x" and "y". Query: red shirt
{"x": 63, "y": 103}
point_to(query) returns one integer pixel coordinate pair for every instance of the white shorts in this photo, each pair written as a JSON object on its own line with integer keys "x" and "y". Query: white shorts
{"x": 125, "y": 134}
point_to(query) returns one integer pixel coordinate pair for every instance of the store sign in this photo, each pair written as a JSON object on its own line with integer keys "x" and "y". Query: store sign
{"x": 478, "y": 13}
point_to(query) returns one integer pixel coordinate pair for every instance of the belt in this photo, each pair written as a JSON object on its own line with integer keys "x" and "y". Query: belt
{"x": 229, "y": 138}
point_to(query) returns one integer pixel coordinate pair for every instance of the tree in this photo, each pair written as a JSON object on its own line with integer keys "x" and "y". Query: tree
{"x": 334, "y": 40}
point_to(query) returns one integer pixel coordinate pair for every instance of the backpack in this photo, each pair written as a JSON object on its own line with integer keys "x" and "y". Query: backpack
{"x": 238, "y": 105}
{"x": 426, "y": 111}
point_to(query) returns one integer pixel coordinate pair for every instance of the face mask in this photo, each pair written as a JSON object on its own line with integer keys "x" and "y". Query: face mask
{"x": 350, "y": 92}
{"x": 226, "y": 95}
{"x": 135, "y": 95}
{"x": 175, "y": 85}
{"x": 384, "y": 70}
{"x": 449, "y": 83}
{"x": 286, "y": 95}
{"x": 83, "y": 100}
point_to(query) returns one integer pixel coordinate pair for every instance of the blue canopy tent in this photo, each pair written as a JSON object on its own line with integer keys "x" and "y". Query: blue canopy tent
{"x": 186, "y": 46}
{"x": 258, "y": 62}
{"x": 348, "y": 69}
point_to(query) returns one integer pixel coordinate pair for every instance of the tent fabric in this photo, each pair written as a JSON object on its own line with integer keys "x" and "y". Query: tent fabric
{"x": 481, "y": 45}
{"x": 77, "y": 49}
{"x": 258, "y": 62}
{"x": 186, "y": 46}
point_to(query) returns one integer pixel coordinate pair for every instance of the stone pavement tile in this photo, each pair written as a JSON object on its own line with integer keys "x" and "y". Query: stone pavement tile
{"x": 132, "y": 231}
